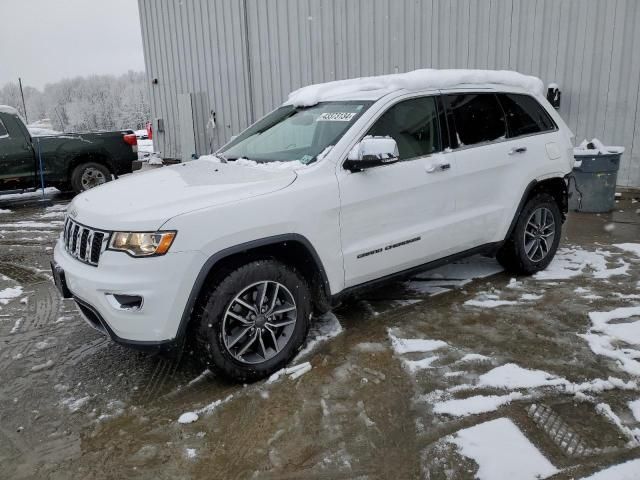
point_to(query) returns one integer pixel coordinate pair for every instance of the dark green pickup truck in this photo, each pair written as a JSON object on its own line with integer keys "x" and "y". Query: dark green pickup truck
{"x": 70, "y": 161}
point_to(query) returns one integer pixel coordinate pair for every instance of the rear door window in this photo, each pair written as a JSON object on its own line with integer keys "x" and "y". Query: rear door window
{"x": 3, "y": 130}
{"x": 475, "y": 118}
{"x": 525, "y": 116}
{"x": 413, "y": 124}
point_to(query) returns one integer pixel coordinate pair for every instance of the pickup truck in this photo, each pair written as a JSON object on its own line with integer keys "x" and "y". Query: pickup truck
{"x": 70, "y": 161}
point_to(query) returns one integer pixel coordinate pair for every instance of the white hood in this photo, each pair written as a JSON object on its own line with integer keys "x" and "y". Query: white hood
{"x": 144, "y": 201}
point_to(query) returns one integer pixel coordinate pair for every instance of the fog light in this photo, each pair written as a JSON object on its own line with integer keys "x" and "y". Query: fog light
{"x": 121, "y": 301}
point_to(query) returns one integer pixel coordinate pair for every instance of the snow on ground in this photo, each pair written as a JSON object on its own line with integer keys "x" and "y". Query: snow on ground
{"x": 321, "y": 330}
{"x": 629, "y": 247}
{"x": 634, "y": 406}
{"x": 48, "y": 193}
{"x": 570, "y": 262}
{"x": 461, "y": 407}
{"x": 4, "y": 210}
{"x": 502, "y": 452}
{"x": 624, "y": 471}
{"x": 190, "y": 417}
{"x": 611, "y": 338}
{"x": 512, "y": 376}
{"x": 488, "y": 303}
{"x": 8, "y": 294}
{"x": 408, "y": 345}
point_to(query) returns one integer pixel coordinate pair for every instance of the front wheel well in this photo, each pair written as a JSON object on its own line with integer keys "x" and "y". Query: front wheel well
{"x": 294, "y": 253}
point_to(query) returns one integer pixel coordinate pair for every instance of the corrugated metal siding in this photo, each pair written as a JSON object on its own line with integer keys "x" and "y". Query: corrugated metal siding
{"x": 589, "y": 47}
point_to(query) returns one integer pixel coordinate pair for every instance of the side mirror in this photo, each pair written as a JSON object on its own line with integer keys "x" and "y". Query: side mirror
{"x": 372, "y": 152}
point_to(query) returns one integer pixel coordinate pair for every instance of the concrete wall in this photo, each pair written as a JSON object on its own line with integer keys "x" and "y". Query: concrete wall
{"x": 240, "y": 58}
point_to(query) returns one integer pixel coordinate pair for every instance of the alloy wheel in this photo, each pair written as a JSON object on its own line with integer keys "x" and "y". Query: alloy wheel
{"x": 259, "y": 322}
{"x": 539, "y": 234}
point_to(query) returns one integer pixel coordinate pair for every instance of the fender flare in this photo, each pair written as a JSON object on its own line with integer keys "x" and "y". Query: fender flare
{"x": 211, "y": 262}
{"x": 525, "y": 197}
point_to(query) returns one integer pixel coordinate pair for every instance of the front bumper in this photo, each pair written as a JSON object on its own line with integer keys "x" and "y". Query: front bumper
{"x": 164, "y": 282}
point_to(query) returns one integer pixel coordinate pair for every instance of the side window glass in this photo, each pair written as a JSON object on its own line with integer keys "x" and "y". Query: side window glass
{"x": 3, "y": 130}
{"x": 413, "y": 124}
{"x": 477, "y": 118}
{"x": 525, "y": 115}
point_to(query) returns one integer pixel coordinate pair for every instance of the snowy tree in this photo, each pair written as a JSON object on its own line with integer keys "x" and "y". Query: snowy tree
{"x": 97, "y": 102}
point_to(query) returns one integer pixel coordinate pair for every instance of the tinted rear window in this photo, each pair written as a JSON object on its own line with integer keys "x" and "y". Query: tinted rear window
{"x": 525, "y": 116}
{"x": 476, "y": 117}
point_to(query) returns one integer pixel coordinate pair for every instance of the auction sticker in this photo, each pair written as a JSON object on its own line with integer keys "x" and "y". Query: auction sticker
{"x": 336, "y": 117}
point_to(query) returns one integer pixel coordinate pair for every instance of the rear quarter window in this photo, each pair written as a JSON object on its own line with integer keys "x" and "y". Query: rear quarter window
{"x": 3, "y": 130}
{"x": 525, "y": 116}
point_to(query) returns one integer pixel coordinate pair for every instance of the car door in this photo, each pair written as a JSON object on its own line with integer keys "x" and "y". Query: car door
{"x": 398, "y": 216}
{"x": 484, "y": 164}
{"x": 533, "y": 143}
{"x": 17, "y": 168}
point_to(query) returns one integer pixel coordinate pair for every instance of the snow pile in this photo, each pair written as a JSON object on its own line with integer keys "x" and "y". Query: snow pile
{"x": 570, "y": 262}
{"x": 595, "y": 147}
{"x": 190, "y": 417}
{"x": 293, "y": 165}
{"x": 8, "y": 294}
{"x": 321, "y": 330}
{"x": 409, "y": 345}
{"x": 294, "y": 372}
{"x": 4, "y": 210}
{"x": 512, "y": 376}
{"x": 613, "y": 339}
{"x": 624, "y": 471}
{"x": 416, "y": 80}
{"x": 485, "y": 300}
{"x": 42, "y": 132}
{"x": 461, "y": 407}
{"x": 502, "y": 452}
{"x": 634, "y": 406}
{"x": 9, "y": 110}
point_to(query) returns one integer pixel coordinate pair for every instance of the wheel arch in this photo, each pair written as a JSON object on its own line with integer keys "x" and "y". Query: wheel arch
{"x": 292, "y": 249}
{"x": 86, "y": 157}
{"x": 557, "y": 187}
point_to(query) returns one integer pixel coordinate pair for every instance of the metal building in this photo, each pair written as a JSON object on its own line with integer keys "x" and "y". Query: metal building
{"x": 240, "y": 58}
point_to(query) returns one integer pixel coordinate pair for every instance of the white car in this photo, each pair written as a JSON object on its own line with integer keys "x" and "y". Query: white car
{"x": 347, "y": 185}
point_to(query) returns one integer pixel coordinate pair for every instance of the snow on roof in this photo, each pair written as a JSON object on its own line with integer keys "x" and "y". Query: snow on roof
{"x": 417, "y": 80}
{"x": 9, "y": 110}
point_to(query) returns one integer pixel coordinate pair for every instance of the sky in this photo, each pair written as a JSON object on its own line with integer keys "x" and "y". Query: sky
{"x": 43, "y": 41}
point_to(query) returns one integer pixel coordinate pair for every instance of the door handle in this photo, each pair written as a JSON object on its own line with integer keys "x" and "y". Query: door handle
{"x": 438, "y": 167}
{"x": 515, "y": 150}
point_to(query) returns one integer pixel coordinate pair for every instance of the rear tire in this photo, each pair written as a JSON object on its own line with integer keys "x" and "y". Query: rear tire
{"x": 88, "y": 175}
{"x": 238, "y": 330}
{"x": 535, "y": 238}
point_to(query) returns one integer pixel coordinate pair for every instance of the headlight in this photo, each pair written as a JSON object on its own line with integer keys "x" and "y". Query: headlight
{"x": 142, "y": 244}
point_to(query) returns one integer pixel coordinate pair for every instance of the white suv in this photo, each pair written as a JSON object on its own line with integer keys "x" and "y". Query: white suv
{"x": 346, "y": 185}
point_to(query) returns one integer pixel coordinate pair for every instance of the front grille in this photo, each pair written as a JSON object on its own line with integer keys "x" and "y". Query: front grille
{"x": 84, "y": 243}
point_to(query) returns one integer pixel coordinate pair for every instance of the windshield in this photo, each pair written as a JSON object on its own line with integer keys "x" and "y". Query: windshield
{"x": 289, "y": 133}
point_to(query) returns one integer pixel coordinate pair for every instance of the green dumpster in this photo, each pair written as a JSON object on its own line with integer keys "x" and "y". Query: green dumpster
{"x": 593, "y": 186}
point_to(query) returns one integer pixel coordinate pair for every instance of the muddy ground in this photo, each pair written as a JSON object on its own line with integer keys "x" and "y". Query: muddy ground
{"x": 374, "y": 405}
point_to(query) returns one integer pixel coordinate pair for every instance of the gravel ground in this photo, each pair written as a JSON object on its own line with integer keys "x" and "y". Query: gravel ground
{"x": 461, "y": 372}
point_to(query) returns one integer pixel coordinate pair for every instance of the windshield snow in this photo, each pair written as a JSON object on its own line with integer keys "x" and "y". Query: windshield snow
{"x": 291, "y": 134}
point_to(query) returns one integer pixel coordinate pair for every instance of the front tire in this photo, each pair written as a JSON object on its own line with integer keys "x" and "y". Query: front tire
{"x": 535, "y": 238}
{"x": 254, "y": 320}
{"x": 89, "y": 175}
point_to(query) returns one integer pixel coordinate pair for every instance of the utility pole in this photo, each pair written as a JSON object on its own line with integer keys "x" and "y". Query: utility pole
{"x": 24, "y": 107}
